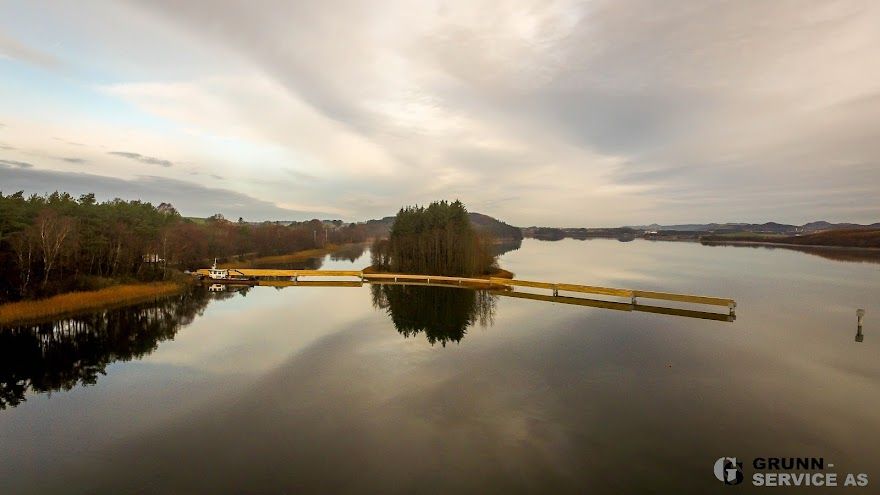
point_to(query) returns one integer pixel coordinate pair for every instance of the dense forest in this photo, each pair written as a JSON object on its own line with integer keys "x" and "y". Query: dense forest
{"x": 483, "y": 224}
{"x": 56, "y": 243}
{"x": 437, "y": 240}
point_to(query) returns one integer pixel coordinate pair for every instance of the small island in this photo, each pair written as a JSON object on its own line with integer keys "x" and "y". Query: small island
{"x": 436, "y": 240}
{"x": 439, "y": 239}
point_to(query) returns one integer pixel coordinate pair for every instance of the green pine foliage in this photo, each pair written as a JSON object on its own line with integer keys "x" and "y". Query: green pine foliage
{"x": 435, "y": 240}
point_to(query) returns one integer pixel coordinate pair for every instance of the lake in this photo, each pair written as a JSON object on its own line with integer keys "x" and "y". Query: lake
{"x": 401, "y": 389}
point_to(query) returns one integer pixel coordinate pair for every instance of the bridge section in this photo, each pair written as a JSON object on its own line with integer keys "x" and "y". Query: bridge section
{"x": 274, "y": 275}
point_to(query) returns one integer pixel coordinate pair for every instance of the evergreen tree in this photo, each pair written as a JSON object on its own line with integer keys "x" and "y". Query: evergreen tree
{"x": 435, "y": 240}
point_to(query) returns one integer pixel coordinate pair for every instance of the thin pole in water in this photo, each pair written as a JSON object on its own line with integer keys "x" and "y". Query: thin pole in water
{"x": 860, "y": 315}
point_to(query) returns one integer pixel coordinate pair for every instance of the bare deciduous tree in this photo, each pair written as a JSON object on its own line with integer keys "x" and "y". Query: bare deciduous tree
{"x": 52, "y": 230}
{"x": 24, "y": 246}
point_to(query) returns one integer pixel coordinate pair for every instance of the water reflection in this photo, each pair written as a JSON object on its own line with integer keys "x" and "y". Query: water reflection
{"x": 301, "y": 264}
{"x": 74, "y": 351}
{"x": 860, "y": 317}
{"x": 852, "y": 255}
{"x": 297, "y": 390}
{"x": 228, "y": 290}
{"x": 349, "y": 252}
{"x": 619, "y": 306}
{"x": 62, "y": 354}
{"x": 504, "y": 246}
{"x": 442, "y": 313}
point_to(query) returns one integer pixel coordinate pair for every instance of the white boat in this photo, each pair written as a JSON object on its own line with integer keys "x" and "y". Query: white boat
{"x": 223, "y": 275}
{"x": 218, "y": 273}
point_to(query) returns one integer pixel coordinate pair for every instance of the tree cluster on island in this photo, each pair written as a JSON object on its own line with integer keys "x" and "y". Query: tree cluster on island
{"x": 436, "y": 240}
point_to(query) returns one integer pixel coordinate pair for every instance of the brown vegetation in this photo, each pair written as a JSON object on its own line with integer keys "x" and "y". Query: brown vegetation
{"x": 55, "y": 243}
{"x": 857, "y": 238}
{"x": 86, "y": 300}
{"x": 282, "y": 258}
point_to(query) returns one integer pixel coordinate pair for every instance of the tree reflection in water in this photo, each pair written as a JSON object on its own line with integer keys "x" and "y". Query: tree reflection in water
{"x": 503, "y": 246}
{"x": 442, "y": 313}
{"x": 62, "y": 354}
{"x": 350, "y": 252}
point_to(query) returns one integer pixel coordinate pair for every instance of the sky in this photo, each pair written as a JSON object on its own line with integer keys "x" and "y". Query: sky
{"x": 552, "y": 113}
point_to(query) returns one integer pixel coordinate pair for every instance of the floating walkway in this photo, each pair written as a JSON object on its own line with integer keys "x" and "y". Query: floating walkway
{"x": 275, "y": 277}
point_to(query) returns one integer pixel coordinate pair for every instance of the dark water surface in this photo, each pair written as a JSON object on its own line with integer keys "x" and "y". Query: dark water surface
{"x": 401, "y": 389}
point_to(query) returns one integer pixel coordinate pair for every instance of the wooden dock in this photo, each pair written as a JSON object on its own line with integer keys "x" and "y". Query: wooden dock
{"x": 278, "y": 277}
{"x": 619, "y": 306}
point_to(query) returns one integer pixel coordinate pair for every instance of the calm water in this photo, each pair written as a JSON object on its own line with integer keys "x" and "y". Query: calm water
{"x": 411, "y": 389}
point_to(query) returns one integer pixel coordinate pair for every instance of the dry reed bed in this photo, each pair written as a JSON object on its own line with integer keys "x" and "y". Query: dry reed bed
{"x": 72, "y": 302}
{"x": 282, "y": 258}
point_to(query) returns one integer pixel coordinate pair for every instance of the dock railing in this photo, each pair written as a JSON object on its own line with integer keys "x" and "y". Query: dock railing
{"x": 632, "y": 295}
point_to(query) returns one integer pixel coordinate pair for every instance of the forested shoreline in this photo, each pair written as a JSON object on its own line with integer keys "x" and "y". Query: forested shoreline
{"x": 57, "y": 243}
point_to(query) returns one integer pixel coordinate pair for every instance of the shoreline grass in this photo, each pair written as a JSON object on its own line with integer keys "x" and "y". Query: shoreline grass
{"x": 282, "y": 258}
{"x": 74, "y": 302}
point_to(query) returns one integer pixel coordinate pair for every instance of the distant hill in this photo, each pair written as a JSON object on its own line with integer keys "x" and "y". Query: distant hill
{"x": 819, "y": 233}
{"x": 497, "y": 228}
{"x": 483, "y": 223}
{"x": 378, "y": 228}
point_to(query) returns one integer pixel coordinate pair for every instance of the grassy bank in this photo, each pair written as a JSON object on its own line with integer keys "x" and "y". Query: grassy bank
{"x": 283, "y": 258}
{"x": 72, "y": 302}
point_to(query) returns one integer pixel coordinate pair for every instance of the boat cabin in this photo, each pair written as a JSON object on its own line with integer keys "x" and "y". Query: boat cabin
{"x": 215, "y": 272}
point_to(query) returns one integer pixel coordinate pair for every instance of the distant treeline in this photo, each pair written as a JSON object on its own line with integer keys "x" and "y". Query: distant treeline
{"x": 856, "y": 238}
{"x": 56, "y": 243}
{"x": 436, "y": 240}
{"x": 556, "y": 234}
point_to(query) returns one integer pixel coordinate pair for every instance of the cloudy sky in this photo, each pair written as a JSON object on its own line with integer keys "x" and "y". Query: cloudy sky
{"x": 565, "y": 113}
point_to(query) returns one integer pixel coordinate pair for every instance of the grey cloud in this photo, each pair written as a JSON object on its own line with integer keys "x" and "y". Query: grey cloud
{"x": 301, "y": 66}
{"x": 6, "y": 147}
{"x": 16, "y": 164}
{"x": 15, "y": 50}
{"x": 189, "y": 198}
{"x": 74, "y": 160}
{"x": 67, "y": 142}
{"x": 300, "y": 175}
{"x": 716, "y": 105}
{"x": 142, "y": 158}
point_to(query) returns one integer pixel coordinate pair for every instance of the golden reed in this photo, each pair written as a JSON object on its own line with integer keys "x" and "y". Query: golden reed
{"x": 282, "y": 258}
{"x": 72, "y": 302}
